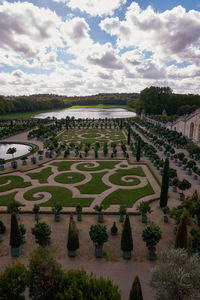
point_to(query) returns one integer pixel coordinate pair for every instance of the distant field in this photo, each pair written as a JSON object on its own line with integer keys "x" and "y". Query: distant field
{"x": 28, "y": 115}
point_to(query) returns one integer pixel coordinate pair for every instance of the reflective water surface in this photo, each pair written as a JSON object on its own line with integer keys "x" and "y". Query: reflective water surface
{"x": 90, "y": 113}
{"x": 21, "y": 150}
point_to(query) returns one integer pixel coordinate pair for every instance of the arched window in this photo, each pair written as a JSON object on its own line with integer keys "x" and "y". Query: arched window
{"x": 191, "y": 130}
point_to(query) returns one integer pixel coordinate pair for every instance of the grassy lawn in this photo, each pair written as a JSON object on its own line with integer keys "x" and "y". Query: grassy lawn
{"x": 16, "y": 182}
{"x": 69, "y": 177}
{"x": 95, "y": 185}
{"x": 128, "y": 197}
{"x": 25, "y": 115}
{"x": 5, "y": 200}
{"x": 116, "y": 178}
{"x": 41, "y": 176}
{"x": 104, "y": 106}
{"x": 102, "y": 166}
{"x": 63, "y": 165}
{"x": 92, "y": 136}
{"x": 59, "y": 195}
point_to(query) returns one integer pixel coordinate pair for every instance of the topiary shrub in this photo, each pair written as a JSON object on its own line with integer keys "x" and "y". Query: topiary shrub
{"x": 73, "y": 240}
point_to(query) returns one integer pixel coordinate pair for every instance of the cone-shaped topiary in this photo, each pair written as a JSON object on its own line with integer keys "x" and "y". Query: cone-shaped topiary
{"x": 136, "y": 291}
{"x": 129, "y": 135}
{"x": 73, "y": 240}
{"x": 114, "y": 228}
{"x": 138, "y": 150}
{"x": 15, "y": 235}
{"x": 181, "y": 234}
{"x": 165, "y": 184}
{"x": 126, "y": 239}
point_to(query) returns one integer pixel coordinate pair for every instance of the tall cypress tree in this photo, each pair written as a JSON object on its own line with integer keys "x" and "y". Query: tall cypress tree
{"x": 165, "y": 185}
{"x": 73, "y": 240}
{"x": 138, "y": 150}
{"x": 136, "y": 291}
{"x": 126, "y": 239}
{"x": 15, "y": 235}
{"x": 129, "y": 134}
{"x": 181, "y": 234}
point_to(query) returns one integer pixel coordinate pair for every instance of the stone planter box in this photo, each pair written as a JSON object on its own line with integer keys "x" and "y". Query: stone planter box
{"x": 36, "y": 217}
{"x": 40, "y": 157}
{"x": 158, "y": 168}
{"x": 126, "y": 254}
{"x": 14, "y": 164}
{"x": 2, "y": 168}
{"x": 121, "y": 218}
{"x": 16, "y": 251}
{"x": 98, "y": 251}
{"x": 79, "y": 217}
{"x": 57, "y": 217}
{"x": 171, "y": 157}
{"x": 24, "y": 162}
{"x": 174, "y": 189}
{"x": 71, "y": 253}
{"x": 165, "y": 219}
{"x": 170, "y": 183}
{"x": 189, "y": 172}
{"x": 33, "y": 160}
{"x": 179, "y": 163}
{"x": 47, "y": 154}
{"x": 184, "y": 168}
{"x": 181, "y": 196}
{"x": 176, "y": 161}
{"x": 195, "y": 177}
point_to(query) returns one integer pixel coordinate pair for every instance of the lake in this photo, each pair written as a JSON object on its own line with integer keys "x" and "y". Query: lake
{"x": 88, "y": 113}
{"x": 21, "y": 150}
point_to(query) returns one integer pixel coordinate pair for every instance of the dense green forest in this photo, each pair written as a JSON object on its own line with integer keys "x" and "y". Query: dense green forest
{"x": 45, "y": 101}
{"x": 154, "y": 99}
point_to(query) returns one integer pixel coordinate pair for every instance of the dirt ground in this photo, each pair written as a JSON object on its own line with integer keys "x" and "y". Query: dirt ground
{"x": 112, "y": 266}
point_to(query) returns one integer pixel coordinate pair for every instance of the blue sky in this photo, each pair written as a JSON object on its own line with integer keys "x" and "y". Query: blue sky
{"x": 85, "y": 47}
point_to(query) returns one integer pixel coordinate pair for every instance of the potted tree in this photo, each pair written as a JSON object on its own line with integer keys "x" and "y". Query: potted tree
{"x": 183, "y": 185}
{"x": 40, "y": 152}
{"x": 36, "y": 210}
{"x": 73, "y": 240}
{"x": 165, "y": 212}
{"x": 42, "y": 232}
{"x": 22, "y": 230}
{"x": 99, "y": 236}
{"x": 79, "y": 211}
{"x": 2, "y": 163}
{"x": 23, "y": 159}
{"x": 174, "y": 184}
{"x": 114, "y": 229}
{"x": 15, "y": 237}
{"x": 126, "y": 239}
{"x": 143, "y": 209}
{"x": 13, "y": 207}
{"x": 99, "y": 209}
{"x": 56, "y": 210}
{"x": 12, "y": 151}
{"x": 190, "y": 165}
{"x": 151, "y": 236}
{"x": 2, "y": 229}
{"x": 122, "y": 212}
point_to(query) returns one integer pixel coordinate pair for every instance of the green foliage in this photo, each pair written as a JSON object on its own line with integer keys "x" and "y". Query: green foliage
{"x": 57, "y": 209}
{"x": 122, "y": 210}
{"x": 13, "y": 207}
{"x": 73, "y": 240}
{"x": 41, "y": 176}
{"x": 79, "y": 208}
{"x": 2, "y": 227}
{"x": 36, "y": 209}
{"x": 22, "y": 229}
{"x": 165, "y": 185}
{"x": 136, "y": 290}
{"x": 144, "y": 208}
{"x": 138, "y": 149}
{"x": 44, "y": 275}
{"x": 126, "y": 239}
{"x": 42, "y": 232}
{"x": 98, "y": 234}
{"x": 13, "y": 282}
{"x": 78, "y": 285}
{"x": 15, "y": 234}
{"x": 151, "y": 235}
{"x": 176, "y": 276}
{"x": 184, "y": 185}
{"x": 99, "y": 208}
{"x": 181, "y": 240}
{"x": 114, "y": 228}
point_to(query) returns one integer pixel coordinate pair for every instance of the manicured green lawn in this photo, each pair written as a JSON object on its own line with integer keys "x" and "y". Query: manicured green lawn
{"x": 95, "y": 185}
{"x": 16, "y": 182}
{"x": 41, "y": 176}
{"x": 92, "y": 136}
{"x": 63, "y": 165}
{"x": 128, "y": 197}
{"x": 59, "y": 195}
{"x": 69, "y": 177}
{"x": 116, "y": 178}
{"x": 104, "y": 106}
{"x": 102, "y": 166}
{"x": 5, "y": 200}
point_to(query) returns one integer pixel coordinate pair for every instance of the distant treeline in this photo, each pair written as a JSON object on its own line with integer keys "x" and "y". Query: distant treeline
{"x": 155, "y": 99}
{"x": 45, "y": 101}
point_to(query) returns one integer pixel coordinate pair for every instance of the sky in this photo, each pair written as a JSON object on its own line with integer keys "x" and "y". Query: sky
{"x": 86, "y": 47}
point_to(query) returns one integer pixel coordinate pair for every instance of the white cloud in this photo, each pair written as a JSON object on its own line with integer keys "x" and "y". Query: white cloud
{"x": 96, "y": 7}
{"x": 172, "y": 34}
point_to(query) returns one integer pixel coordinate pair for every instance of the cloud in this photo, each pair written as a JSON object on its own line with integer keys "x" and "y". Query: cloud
{"x": 27, "y": 30}
{"x": 95, "y": 7}
{"x": 108, "y": 60}
{"x": 172, "y": 34}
